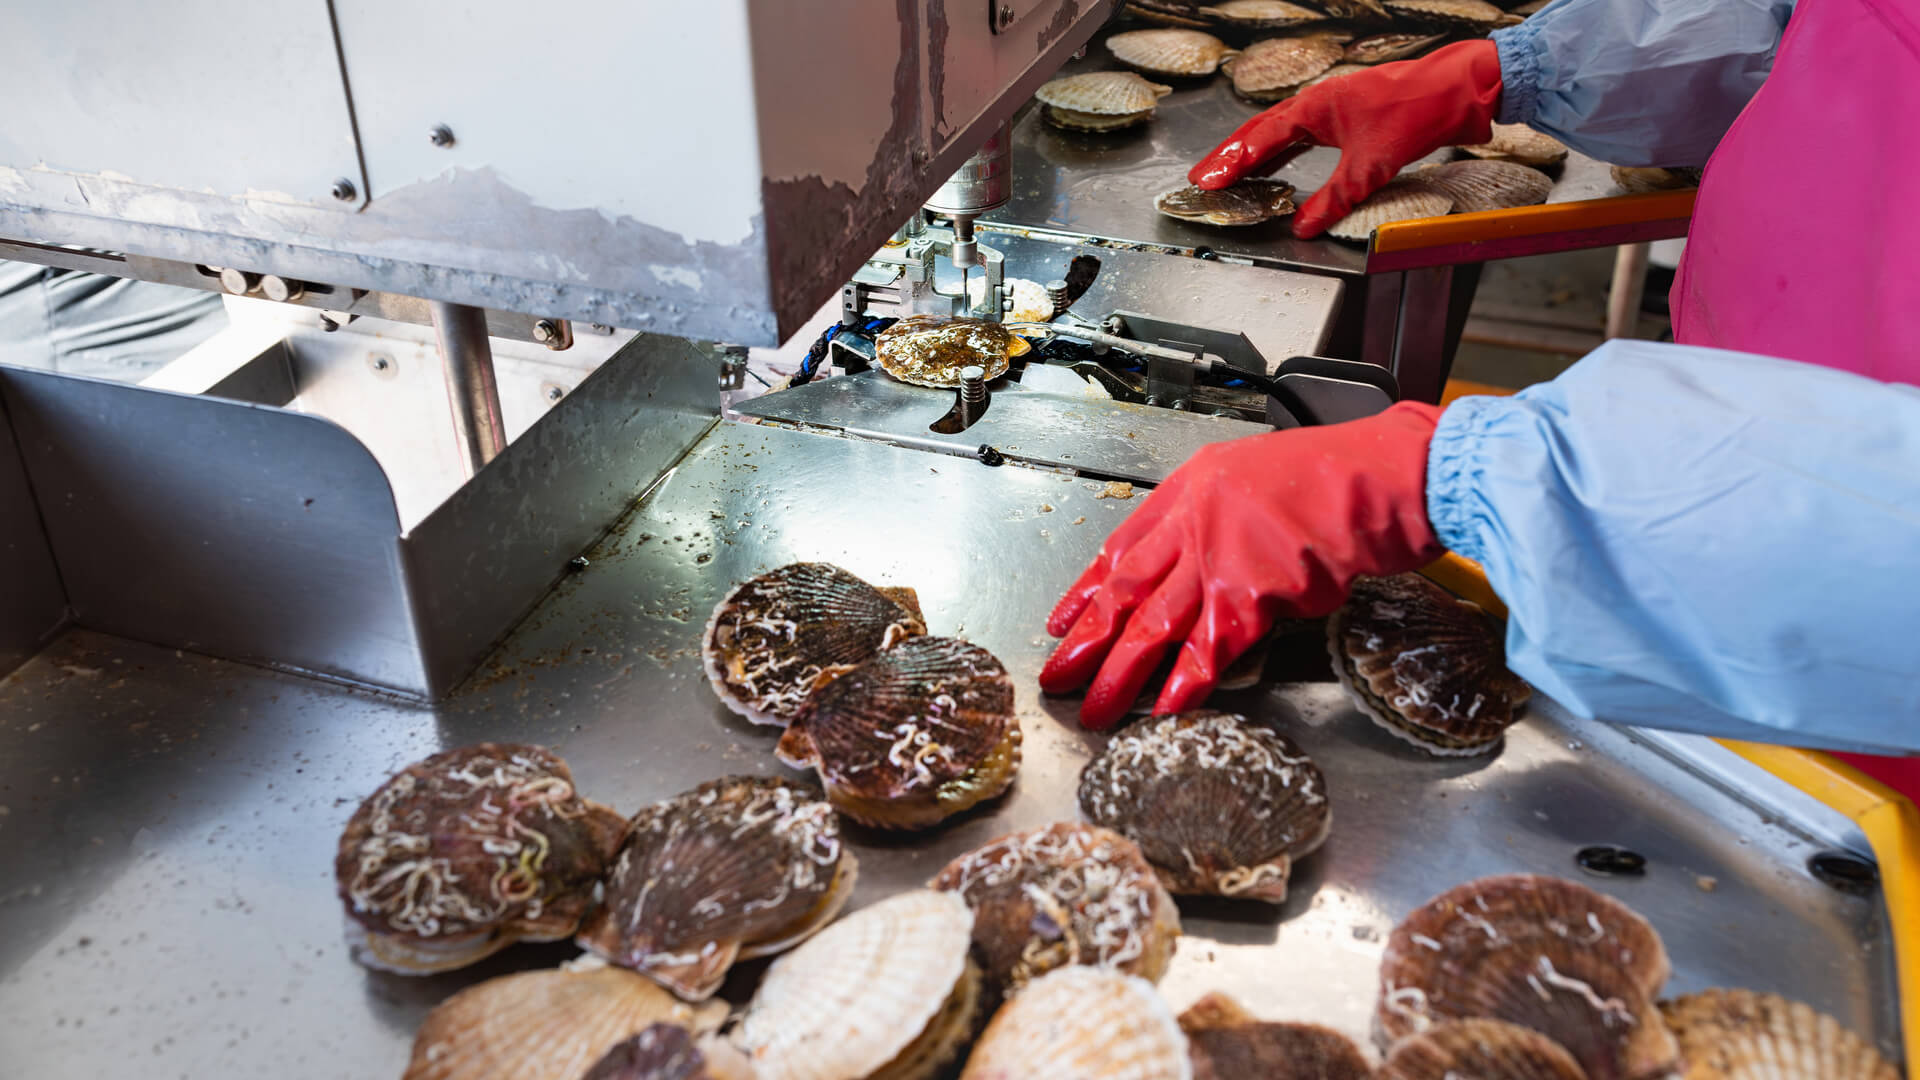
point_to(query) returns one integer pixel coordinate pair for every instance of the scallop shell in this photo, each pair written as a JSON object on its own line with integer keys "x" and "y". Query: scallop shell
{"x": 917, "y": 734}
{"x": 738, "y": 867}
{"x": 1103, "y": 93}
{"x": 778, "y": 635}
{"x": 887, "y": 991}
{"x": 1545, "y": 953}
{"x": 1218, "y": 805}
{"x": 1062, "y": 895}
{"x": 1248, "y": 202}
{"x": 1168, "y": 12}
{"x": 932, "y": 350}
{"x": 1334, "y": 72}
{"x": 1482, "y": 1049}
{"x": 1742, "y": 1035}
{"x": 1425, "y": 665}
{"x": 544, "y": 1025}
{"x": 1361, "y": 11}
{"x": 460, "y": 855}
{"x": 1082, "y": 1024}
{"x": 1030, "y": 300}
{"x": 1226, "y": 1043}
{"x": 1180, "y": 53}
{"x": 1271, "y": 68}
{"x": 1074, "y": 120}
{"x": 671, "y": 1052}
{"x": 1485, "y": 185}
{"x": 1262, "y": 14}
{"x": 1392, "y": 45}
{"x": 1520, "y": 144}
{"x": 1639, "y": 181}
{"x": 1477, "y": 16}
{"x": 1397, "y": 200}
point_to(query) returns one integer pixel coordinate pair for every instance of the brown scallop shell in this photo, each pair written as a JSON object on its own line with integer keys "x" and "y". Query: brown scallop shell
{"x": 1218, "y": 805}
{"x": 1545, "y": 953}
{"x": 671, "y": 1052}
{"x": 1227, "y": 1043}
{"x": 1169, "y": 12}
{"x": 544, "y": 1025}
{"x": 1270, "y": 69}
{"x": 738, "y": 867}
{"x": 1248, "y": 202}
{"x": 1179, "y": 53}
{"x": 920, "y": 732}
{"x": 1391, "y": 45}
{"x": 1743, "y": 1035}
{"x": 460, "y": 855}
{"x": 1427, "y": 666}
{"x": 1261, "y": 14}
{"x": 1476, "y": 185}
{"x": 932, "y": 350}
{"x": 1520, "y": 144}
{"x": 1640, "y": 181}
{"x": 1476, "y": 16}
{"x": 1357, "y": 11}
{"x": 1396, "y": 200}
{"x": 777, "y": 636}
{"x": 1481, "y": 1049}
{"x": 1082, "y": 1024}
{"x": 1063, "y": 895}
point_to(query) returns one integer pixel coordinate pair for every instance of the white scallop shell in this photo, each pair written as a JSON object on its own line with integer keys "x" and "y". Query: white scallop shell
{"x": 1272, "y": 67}
{"x": 1399, "y": 200}
{"x": 1476, "y": 185}
{"x": 859, "y": 993}
{"x": 1520, "y": 143}
{"x": 1030, "y": 301}
{"x": 1742, "y": 1035}
{"x": 1082, "y": 1023}
{"x": 1262, "y": 13}
{"x": 1103, "y": 93}
{"x": 1166, "y": 51}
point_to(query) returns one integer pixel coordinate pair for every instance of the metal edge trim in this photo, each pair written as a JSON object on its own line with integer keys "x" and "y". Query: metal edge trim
{"x": 1526, "y": 221}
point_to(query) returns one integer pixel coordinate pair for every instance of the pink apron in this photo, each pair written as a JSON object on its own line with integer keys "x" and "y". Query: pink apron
{"x": 1805, "y": 243}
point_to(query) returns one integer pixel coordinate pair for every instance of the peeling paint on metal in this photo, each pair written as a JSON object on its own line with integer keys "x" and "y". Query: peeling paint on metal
{"x": 937, "y": 70}
{"x": 1061, "y": 22}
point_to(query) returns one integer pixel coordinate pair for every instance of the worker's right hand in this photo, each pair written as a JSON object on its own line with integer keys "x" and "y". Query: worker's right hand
{"x": 1381, "y": 119}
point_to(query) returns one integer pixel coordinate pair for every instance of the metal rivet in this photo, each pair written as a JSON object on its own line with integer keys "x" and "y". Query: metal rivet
{"x": 441, "y": 136}
{"x": 1611, "y": 860}
{"x": 578, "y": 562}
{"x": 382, "y": 365}
{"x": 344, "y": 190}
{"x": 1845, "y": 871}
{"x": 553, "y": 391}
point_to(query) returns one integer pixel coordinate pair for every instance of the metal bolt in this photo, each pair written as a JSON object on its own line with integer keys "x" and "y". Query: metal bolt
{"x": 238, "y": 282}
{"x": 546, "y": 332}
{"x": 382, "y": 365}
{"x": 578, "y": 562}
{"x": 441, "y": 136}
{"x": 275, "y": 287}
{"x": 1057, "y": 295}
{"x": 1006, "y": 15}
{"x": 344, "y": 190}
{"x": 602, "y": 328}
{"x": 554, "y": 391}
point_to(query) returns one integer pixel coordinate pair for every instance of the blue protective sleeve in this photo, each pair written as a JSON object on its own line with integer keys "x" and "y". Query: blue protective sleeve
{"x": 1700, "y": 540}
{"x": 1638, "y": 82}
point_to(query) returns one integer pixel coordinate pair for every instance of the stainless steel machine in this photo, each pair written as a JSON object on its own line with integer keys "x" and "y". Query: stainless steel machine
{"x": 459, "y": 472}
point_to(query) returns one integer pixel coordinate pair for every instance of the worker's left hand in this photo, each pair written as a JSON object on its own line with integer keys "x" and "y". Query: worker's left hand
{"x": 1243, "y": 533}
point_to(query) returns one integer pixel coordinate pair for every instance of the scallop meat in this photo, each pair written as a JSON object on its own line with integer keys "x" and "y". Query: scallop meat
{"x": 1178, "y": 53}
{"x": 1082, "y": 1024}
{"x": 545, "y": 1025}
{"x": 1262, "y": 14}
{"x": 1272, "y": 68}
{"x": 1225, "y": 1042}
{"x": 1100, "y": 100}
{"x": 1481, "y": 1049}
{"x": 1473, "y": 16}
{"x": 1391, "y": 45}
{"x": 887, "y": 992}
{"x": 932, "y": 350}
{"x": 1521, "y": 145}
{"x": 1425, "y": 665}
{"x": 1545, "y": 953}
{"x": 1066, "y": 894}
{"x": 671, "y": 1052}
{"x": 1398, "y": 200}
{"x": 738, "y": 867}
{"x": 777, "y": 636}
{"x": 1742, "y": 1035}
{"x": 1220, "y": 806}
{"x": 1475, "y": 185}
{"x": 1248, "y": 202}
{"x": 460, "y": 855}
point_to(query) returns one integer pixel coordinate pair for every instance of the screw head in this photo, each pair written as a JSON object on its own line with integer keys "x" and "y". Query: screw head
{"x": 238, "y": 282}
{"x": 344, "y": 190}
{"x": 555, "y": 391}
{"x": 1006, "y": 14}
{"x": 546, "y": 332}
{"x": 275, "y": 287}
{"x": 441, "y": 135}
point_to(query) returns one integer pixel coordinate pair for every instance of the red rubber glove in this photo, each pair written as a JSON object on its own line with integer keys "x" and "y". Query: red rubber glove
{"x": 1243, "y": 533}
{"x": 1381, "y": 119}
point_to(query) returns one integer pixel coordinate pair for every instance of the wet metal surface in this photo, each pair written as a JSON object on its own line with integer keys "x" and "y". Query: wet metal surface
{"x": 168, "y": 822}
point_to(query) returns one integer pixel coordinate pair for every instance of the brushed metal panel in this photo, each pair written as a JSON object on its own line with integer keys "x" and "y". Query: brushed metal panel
{"x": 32, "y": 603}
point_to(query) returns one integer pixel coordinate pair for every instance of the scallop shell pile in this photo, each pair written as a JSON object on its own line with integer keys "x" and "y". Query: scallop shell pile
{"x": 1063, "y": 895}
{"x": 544, "y": 1025}
{"x": 1218, "y": 805}
{"x": 1082, "y": 1024}
{"x": 1248, "y": 202}
{"x": 1741, "y": 1035}
{"x": 1100, "y": 100}
{"x": 1184, "y": 13}
{"x": 460, "y": 855}
{"x": 1473, "y": 16}
{"x": 736, "y": 868}
{"x": 1359, "y": 11}
{"x": 778, "y": 635}
{"x": 920, "y": 732}
{"x": 1476, "y": 185}
{"x": 1227, "y": 1043}
{"x": 1425, "y": 665}
{"x": 1547, "y": 954}
{"x": 1482, "y": 1049}
{"x": 1520, "y": 144}
{"x": 1272, "y": 68}
{"x": 671, "y": 1052}
{"x": 1400, "y": 199}
{"x": 888, "y": 992}
{"x": 1168, "y": 52}
{"x": 932, "y": 350}
{"x": 1391, "y": 45}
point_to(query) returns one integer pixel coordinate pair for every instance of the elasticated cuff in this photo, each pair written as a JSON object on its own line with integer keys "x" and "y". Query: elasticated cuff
{"x": 1454, "y": 465}
{"x": 1519, "y": 48}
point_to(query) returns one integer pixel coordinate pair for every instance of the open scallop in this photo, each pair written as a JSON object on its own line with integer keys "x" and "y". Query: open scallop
{"x": 1082, "y": 1024}
{"x": 932, "y": 350}
{"x": 1248, "y": 202}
